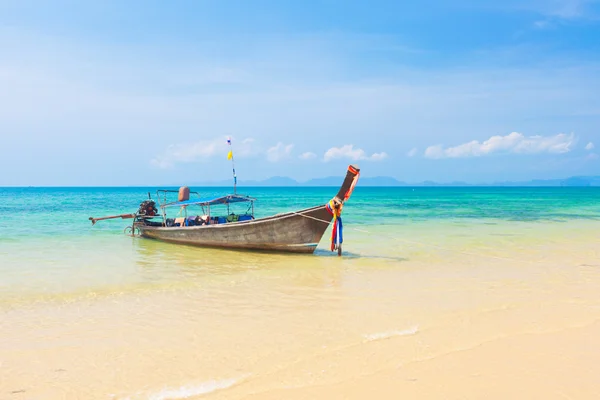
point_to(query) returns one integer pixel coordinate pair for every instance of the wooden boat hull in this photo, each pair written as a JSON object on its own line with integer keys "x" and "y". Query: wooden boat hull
{"x": 295, "y": 232}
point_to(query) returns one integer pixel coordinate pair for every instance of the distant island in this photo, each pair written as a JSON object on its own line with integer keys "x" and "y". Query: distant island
{"x": 282, "y": 181}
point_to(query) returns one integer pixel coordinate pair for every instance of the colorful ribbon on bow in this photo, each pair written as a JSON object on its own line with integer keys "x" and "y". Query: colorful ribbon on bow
{"x": 337, "y": 236}
{"x": 334, "y": 207}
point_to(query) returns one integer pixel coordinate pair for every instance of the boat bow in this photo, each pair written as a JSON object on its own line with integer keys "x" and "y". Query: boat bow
{"x": 335, "y": 206}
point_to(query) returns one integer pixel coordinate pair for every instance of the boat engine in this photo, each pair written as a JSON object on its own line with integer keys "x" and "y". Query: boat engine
{"x": 148, "y": 208}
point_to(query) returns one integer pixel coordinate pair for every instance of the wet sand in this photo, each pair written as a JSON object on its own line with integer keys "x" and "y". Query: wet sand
{"x": 550, "y": 365}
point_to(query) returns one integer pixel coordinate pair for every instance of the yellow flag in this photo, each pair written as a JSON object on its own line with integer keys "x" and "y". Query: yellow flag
{"x": 229, "y": 155}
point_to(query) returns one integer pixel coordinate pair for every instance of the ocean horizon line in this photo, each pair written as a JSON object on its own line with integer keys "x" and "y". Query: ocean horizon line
{"x": 438, "y": 186}
{"x": 334, "y": 181}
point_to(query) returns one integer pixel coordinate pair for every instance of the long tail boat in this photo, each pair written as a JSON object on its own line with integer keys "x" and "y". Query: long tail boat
{"x": 295, "y": 231}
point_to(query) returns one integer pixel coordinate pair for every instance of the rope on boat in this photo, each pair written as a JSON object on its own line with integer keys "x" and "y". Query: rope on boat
{"x": 468, "y": 253}
{"x": 311, "y": 217}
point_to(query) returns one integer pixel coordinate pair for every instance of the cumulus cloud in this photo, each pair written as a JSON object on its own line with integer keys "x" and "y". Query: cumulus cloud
{"x": 307, "y": 156}
{"x": 378, "y": 156}
{"x": 185, "y": 153}
{"x": 245, "y": 148}
{"x": 279, "y": 152}
{"x": 515, "y": 142}
{"x": 413, "y": 152}
{"x": 348, "y": 151}
{"x": 590, "y": 146}
{"x": 201, "y": 151}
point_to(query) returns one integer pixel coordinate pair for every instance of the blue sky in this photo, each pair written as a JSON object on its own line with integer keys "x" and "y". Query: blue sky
{"x": 146, "y": 92}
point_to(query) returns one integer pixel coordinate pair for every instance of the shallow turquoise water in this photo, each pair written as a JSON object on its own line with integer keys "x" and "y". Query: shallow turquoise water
{"x": 33, "y": 212}
{"x": 48, "y": 245}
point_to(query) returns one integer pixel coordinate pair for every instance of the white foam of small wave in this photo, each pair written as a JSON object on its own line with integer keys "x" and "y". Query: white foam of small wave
{"x": 186, "y": 391}
{"x": 386, "y": 335}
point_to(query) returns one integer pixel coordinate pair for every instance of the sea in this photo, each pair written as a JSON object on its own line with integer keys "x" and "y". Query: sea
{"x": 434, "y": 282}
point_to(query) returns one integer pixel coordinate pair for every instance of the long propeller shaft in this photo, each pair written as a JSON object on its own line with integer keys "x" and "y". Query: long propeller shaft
{"x": 122, "y": 216}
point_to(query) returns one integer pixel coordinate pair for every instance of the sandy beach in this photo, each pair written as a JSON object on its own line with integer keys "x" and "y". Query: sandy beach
{"x": 513, "y": 317}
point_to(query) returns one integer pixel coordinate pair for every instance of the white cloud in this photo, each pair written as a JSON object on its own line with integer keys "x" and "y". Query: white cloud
{"x": 307, "y": 156}
{"x": 201, "y": 151}
{"x": 185, "y": 153}
{"x": 279, "y": 152}
{"x": 413, "y": 152}
{"x": 513, "y": 143}
{"x": 590, "y": 146}
{"x": 245, "y": 148}
{"x": 436, "y": 151}
{"x": 348, "y": 151}
{"x": 378, "y": 156}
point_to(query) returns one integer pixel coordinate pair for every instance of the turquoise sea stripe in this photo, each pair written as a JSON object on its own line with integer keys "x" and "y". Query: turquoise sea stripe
{"x": 48, "y": 245}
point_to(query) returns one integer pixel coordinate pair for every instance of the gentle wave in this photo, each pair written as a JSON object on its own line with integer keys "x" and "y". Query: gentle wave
{"x": 186, "y": 391}
{"x": 386, "y": 335}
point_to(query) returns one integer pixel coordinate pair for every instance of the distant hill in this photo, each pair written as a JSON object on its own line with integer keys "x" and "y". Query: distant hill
{"x": 277, "y": 181}
{"x": 380, "y": 181}
{"x": 282, "y": 181}
{"x": 364, "y": 181}
{"x": 582, "y": 181}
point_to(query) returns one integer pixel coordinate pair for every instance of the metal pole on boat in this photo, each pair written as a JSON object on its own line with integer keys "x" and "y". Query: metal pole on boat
{"x": 230, "y": 157}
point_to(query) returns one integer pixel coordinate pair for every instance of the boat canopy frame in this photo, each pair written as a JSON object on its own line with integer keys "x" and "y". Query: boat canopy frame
{"x": 205, "y": 203}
